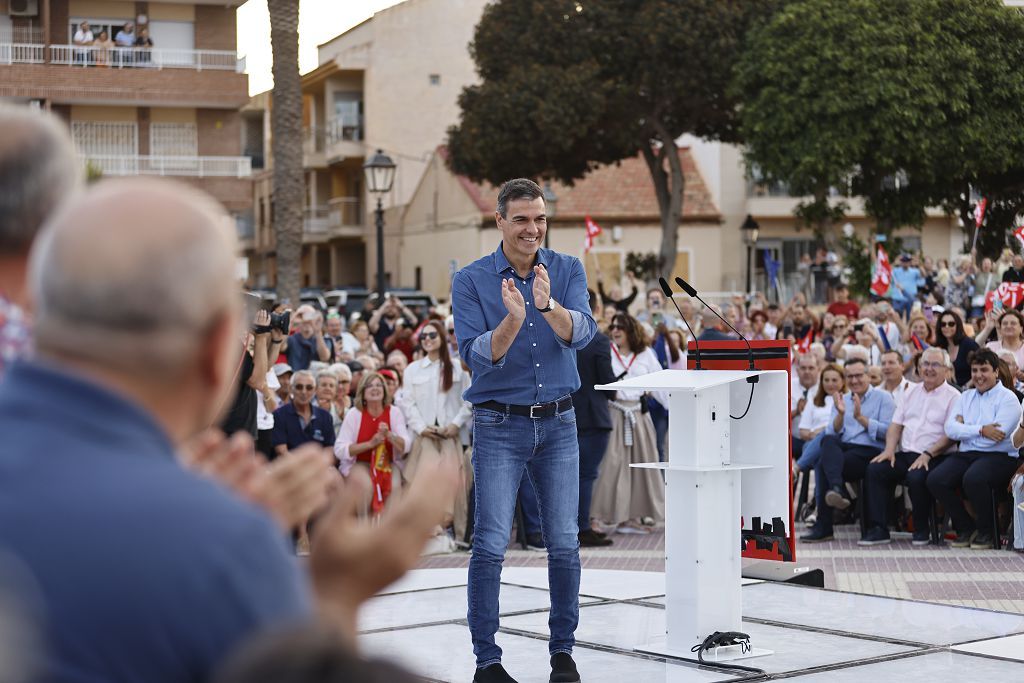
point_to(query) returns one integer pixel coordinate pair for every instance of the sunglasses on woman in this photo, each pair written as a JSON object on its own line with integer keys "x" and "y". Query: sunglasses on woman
{"x": 429, "y": 335}
{"x": 948, "y": 323}
{"x": 616, "y": 326}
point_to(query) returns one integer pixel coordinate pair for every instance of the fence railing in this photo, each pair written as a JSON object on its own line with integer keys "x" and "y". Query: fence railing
{"x": 316, "y": 220}
{"x": 146, "y": 58}
{"x": 346, "y": 212}
{"x": 341, "y": 129}
{"x": 197, "y": 167}
{"x": 21, "y": 53}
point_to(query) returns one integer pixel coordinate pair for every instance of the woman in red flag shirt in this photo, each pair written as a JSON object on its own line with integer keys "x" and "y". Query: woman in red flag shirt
{"x": 373, "y": 442}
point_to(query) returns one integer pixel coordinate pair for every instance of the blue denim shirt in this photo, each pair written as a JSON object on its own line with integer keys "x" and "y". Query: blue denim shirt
{"x": 877, "y": 406}
{"x": 539, "y": 366}
{"x": 147, "y": 572}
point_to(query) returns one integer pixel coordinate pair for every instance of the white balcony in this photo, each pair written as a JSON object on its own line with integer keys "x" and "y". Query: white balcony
{"x": 344, "y": 139}
{"x": 194, "y": 167}
{"x": 21, "y": 53}
{"x": 146, "y": 58}
{"x": 340, "y": 217}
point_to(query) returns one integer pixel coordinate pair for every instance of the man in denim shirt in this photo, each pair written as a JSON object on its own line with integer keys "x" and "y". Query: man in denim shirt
{"x": 854, "y": 435}
{"x": 520, "y": 315}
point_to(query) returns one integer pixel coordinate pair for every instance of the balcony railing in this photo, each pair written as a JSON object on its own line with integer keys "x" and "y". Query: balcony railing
{"x": 21, "y": 34}
{"x": 146, "y": 58}
{"x": 313, "y": 139}
{"x": 337, "y": 215}
{"x": 340, "y": 130}
{"x": 196, "y": 167}
{"x": 21, "y": 53}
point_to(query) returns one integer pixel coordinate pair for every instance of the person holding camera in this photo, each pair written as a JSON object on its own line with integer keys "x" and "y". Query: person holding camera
{"x": 262, "y": 346}
{"x": 386, "y": 319}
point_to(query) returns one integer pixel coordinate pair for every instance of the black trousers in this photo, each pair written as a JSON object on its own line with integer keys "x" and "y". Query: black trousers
{"x": 881, "y": 482}
{"x": 840, "y": 462}
{"x": 977, "y": 473}
{"x": 264, "y": 444}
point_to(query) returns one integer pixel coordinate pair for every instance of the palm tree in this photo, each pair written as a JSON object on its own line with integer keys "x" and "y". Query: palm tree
{"x": 286, "y": 146}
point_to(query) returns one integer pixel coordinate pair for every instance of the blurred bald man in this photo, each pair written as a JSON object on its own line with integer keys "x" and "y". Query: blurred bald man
{"x": 148, "y": 573}
{"x": 38, "y": 170}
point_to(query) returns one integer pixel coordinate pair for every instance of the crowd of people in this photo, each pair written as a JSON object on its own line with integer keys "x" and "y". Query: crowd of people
{"x": 351, "y": 432}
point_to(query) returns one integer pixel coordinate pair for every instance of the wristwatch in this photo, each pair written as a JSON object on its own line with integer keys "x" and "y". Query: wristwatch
{"x": 551, "y": 306}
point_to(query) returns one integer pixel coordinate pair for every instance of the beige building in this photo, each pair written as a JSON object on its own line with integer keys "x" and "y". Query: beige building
{"x": 170, "y": 110}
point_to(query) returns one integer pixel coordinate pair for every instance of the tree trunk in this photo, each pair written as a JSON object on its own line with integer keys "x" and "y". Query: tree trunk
{"x": 286, "y": 147}
{"x": 668, "y": 187}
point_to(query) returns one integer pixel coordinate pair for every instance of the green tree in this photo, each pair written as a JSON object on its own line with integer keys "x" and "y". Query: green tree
{"x": 286, "y": 146}
{"x": 568, "y": 85}
{"x": 908, "y": 104}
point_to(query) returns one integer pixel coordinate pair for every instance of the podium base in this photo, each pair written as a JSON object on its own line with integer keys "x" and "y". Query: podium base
{"x": 725, "y": 653}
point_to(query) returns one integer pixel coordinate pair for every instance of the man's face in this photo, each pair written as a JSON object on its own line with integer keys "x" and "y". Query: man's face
{"x": 842, "y": 295}
{"x": 774, "y": 316}
{"x": 655, "y": 301}
{"x": 857, "y": 377}
{"x": 882, "y": 312}
{"x": 286, "y": 383}
{"x": 686, "y": 307}
{"x": 334, "y": 326}
{"x": 306, "y": 327}
{"x": 891, "y": 366}
{"x": 798, "y": 314}
{"x": 523, "y": 228}
{"x": 302, "y": 390}
{"x": 807, "y": 370}
{"x": 1018, "y": 262}
{"x": 984, "y": 376}
{"x": 932, "y": 369}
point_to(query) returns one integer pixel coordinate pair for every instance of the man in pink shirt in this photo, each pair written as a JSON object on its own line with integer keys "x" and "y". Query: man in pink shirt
{"x": 915, "y": 438}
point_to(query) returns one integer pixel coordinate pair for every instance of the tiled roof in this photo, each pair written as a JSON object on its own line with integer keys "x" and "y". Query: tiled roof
{"x": 621, "y": 191}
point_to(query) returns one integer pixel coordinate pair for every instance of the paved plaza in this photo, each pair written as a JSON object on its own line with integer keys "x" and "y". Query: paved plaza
{"x": 990, "y": 579}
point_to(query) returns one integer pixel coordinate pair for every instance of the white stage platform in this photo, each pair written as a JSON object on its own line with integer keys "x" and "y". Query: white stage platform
{"x": 817, "y": 635}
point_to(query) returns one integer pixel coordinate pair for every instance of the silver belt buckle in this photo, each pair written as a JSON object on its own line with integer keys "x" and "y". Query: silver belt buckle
{"x": 535, "y": 405}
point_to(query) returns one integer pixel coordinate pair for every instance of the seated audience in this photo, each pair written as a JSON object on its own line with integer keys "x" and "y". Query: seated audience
{"x": 893, "y": 381}
{"x": 914, "y": 443}
{"x": 800, "y": 393}
{"x": 1011, "y": 333}
{"x": 983, "y": 421}
{"x": 300, "y": 421}
{"x": 854, "y": 436}
{"x": 816, "y": 415}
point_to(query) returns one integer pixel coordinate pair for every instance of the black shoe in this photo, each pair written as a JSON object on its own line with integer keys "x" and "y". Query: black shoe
{"x": 835, "y": 499}
{"x": 563, "y": 669}
{"x": 535, "y": 542}
{"x": 875, "y": 536}
{"x": 921, "y": 538}
{"x": 963, "y": 539}
{"x": 817, "y": 536}
{"x": 591, "y": 539}
{"x": 982, "y": 542}
{"x": 495, "y": 673}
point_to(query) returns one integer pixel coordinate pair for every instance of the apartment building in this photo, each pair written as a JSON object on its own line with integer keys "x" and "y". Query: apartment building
{"x": 170, "y": 109}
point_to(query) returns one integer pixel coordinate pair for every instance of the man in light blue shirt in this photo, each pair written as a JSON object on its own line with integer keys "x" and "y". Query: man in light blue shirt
{"x": 983, "y": 421}
{"x": 906, "y": 280}
{"x": 854, "y": 435}
{"x": 520, "y": 315}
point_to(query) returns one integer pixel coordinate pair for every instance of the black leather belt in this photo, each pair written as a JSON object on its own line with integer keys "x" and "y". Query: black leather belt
{"x": 535, "y": 411}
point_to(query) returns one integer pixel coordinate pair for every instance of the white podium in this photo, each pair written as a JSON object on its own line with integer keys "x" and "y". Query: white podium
{"x": 721, "y": 474}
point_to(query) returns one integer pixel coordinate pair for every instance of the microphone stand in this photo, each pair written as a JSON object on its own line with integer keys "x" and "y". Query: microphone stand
{"x": 696, "y": 346}
{"x": 693, "y": 292}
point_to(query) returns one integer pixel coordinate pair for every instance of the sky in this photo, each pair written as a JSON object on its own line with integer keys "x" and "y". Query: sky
{"x": 319, "y": 21}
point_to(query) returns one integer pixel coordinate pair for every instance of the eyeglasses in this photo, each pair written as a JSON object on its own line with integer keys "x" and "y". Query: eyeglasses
{"x": 948, "y": 323}
{"x": 344, "y": 381}
{"x": 303, "y": 387}
{"x": 615, "y": 326}
{"x": 854, "y": 376}
{"x": 429, "y": 335}
{"x": 930, "y": 364}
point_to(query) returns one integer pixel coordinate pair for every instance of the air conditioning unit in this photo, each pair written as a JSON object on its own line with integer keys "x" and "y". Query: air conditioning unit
{"x": 24, "y": 8}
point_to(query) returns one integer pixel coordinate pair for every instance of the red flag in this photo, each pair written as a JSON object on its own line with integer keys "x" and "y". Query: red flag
{"x": 1019, "y": 234}
{"x": 979, "y": 212}
{"x": 593, "y": 230}
{"x": 881, "y": 277}
{"x": 804, "y": 345}
{"x": 1010, "y": 293}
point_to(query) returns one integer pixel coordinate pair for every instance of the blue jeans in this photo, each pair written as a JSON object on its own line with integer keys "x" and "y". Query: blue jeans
{"x": 810, "y": 454}
{"x": 528, "y": 504}
{"x": 546, "y": 448}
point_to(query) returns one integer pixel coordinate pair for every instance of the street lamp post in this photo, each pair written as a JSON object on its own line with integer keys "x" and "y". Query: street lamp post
{"x": 550, "y": 207}
{"x": 750, "y": 229}
{"x": 380, "y": 175}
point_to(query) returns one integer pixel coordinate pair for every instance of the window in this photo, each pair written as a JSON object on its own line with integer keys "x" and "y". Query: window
{"x": 105, "y": 138}
{"x": 435, "y": 79}
{"x": 173, "y": 140}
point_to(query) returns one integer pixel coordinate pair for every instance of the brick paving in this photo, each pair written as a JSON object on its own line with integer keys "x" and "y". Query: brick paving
{"x": 991, "y": 579}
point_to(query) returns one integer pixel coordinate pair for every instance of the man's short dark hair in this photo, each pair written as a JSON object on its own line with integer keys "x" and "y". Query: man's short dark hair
{"x": 773, "y": 307}
{"x": 592, "y": 297}
{"x": 517, "y": 188}
{"x": 899, "y": 356}
{"x": 985, "y": 357}
{"x": 855, "y": 361}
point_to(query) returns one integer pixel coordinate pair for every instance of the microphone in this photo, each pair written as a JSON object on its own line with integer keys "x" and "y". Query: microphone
{"x": 668, "y": 293}
{"x": 693, "y": 292}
